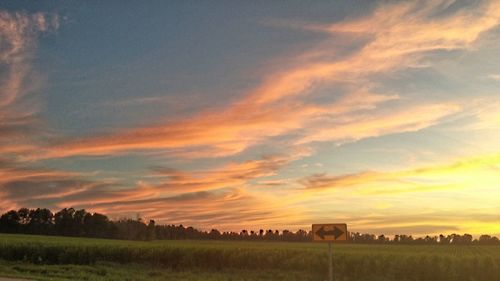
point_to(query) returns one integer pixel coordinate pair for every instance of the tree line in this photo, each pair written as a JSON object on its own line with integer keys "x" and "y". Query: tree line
{"x": 80, "y": 223}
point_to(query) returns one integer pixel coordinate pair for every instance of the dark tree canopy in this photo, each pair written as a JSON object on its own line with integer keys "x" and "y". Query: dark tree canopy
{"x": 71, "y": 222}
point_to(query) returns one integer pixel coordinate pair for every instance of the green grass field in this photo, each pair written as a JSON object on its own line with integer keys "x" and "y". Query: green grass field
{"x": 62, "y": 258}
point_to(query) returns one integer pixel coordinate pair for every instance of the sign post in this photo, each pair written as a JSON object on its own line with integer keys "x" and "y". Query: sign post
{"x": 330, "y": 262}
{"x": 331, "y": 233}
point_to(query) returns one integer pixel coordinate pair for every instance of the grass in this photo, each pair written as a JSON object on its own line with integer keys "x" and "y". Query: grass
{"x": 135, "y": 272}
{"x": 63, "y": 258}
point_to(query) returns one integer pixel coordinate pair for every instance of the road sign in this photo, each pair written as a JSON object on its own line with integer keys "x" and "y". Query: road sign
{"x": 335, "y": 232}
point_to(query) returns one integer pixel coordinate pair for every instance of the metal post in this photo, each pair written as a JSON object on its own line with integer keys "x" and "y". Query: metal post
{"x": 330, "y": 265}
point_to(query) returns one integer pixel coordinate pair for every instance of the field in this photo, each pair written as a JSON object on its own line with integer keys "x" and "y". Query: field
{"x": 62, "y": 258}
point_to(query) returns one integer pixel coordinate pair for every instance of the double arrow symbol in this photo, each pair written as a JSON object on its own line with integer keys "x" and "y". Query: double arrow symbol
{"x": 336, "y": 232}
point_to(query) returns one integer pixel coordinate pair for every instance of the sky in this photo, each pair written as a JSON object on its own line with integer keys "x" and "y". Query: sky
{"x": 255, "y": 114}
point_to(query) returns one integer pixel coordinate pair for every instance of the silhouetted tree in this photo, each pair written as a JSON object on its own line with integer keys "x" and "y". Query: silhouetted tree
{"x": 63, "y": 221}
{"x": 151, "y": 231}
{"x": 444, "y": 240}
{"x": 382, "y": 239}
{"x": 130, "y": 229}
{"x": 24, "y": 216}
{"x": 10, "y": 222}
{"x": 97, "y": 225}
{"x": 71, "y": 222}
{"x": 214, "y": 234}
{"x": 41, "y": 221}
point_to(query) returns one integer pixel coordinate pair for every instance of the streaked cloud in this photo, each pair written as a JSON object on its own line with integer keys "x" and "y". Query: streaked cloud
{"x": 398, "y": 36}
{"x": 230, "y": 209}
{"x": 494, "y": 76}
{"x": 229, "y": 175}
{"x": 22, "y": 185}
{"x": 216, "y": 133}
{"x": 19, "y": 104}
{"x": 409, "y": 120}
{"x": 204, "y": 198}
{"x": 455, "y": 175}
{"x": 487, "y": 117}
{"x": 437, "y": 222}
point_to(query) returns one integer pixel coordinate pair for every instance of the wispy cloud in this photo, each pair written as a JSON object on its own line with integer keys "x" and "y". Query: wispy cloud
{"x": 215, "y": 133}
{"x": 230, "y": 209}
{"x": 166, "y": 182}
{"x": 456, "y": 175}
{"x": 487, "y": 116}
{"x": 204, "y": 198}
{"x": 18, "y": 104}
{"x": 18, "y": 32}
{"x": 22, "y": 185}
{"x": 225, "y": 209}
{"x": 397, "y": 36}
{"x": 494, "y": 77}
{"x": 408, "y": 120}
{"x": 236, "y": 174}
{"x": 474, "y": 221}
{"x": 139, "y": 101}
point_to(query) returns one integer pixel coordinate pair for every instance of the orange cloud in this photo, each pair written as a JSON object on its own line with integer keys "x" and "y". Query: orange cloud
{"x": 398, "y": 36}
{"x": 229, "y": 175}
{"x": 407, "y": 120}
{"x": 35, "y": 187}
{"x": 226, "y": 209}
{"x": 230, "y": 209}
{"x": 204, "y": 198}
{"x": 19, "y": 185}
{"x": 215, "y": 133}
{"x": 170, "y": 182}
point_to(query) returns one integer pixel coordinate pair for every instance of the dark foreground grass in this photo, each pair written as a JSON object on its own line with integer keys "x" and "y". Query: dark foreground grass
{"x": 97, "y": 259}
{"x": 136, "y": 272}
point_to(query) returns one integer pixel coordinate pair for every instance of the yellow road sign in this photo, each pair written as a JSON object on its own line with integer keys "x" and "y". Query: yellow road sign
{"x": 334, "y": 232}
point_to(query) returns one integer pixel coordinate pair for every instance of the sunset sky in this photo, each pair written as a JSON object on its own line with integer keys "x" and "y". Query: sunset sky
{"x": 255, "y": 114}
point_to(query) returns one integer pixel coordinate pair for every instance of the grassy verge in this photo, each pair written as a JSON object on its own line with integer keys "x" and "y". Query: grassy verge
{"x": 137, "y": 272}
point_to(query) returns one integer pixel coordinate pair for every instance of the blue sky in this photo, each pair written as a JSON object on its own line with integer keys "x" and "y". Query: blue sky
{"x": 237, "y": 115}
